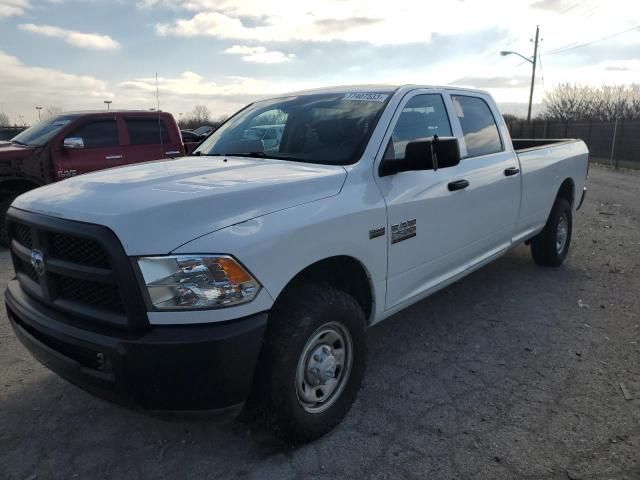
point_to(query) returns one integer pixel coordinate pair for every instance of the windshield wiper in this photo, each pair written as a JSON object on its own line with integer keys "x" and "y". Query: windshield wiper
{"x": 19, "y": 142}
{"x": 248, "y": 154}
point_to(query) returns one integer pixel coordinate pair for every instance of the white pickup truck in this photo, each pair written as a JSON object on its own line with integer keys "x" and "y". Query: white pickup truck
{"x": 253, "y": 269}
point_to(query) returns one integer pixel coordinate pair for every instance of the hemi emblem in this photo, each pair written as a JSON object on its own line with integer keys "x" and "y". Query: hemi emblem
{"x": 37, "y": 261}
{"x": 403, "y": 231}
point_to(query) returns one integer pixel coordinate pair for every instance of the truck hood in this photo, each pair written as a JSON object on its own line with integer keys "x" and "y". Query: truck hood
{"x": 157, "y": 206}
{"x": 14, "y": 151}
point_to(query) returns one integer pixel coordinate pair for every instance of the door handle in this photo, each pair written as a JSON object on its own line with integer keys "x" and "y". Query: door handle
{"x": 511, "y": 171}
{"x": 173, "y": 152}
{"x": 113, "y": 157}
{"x": 458, "y": 185}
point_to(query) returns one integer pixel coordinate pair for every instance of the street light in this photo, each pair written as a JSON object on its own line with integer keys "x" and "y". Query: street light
{"x": 532, "y": 61}
{"x": 108, "y": 102}
{"x": 38, "y": 109}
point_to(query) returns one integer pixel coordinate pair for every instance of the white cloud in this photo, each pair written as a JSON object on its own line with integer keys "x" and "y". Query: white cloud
{"x": 29, "y": 86}
{"x": 13, "y": 8}
{"x": 406, "y": 21}
{"x": 259, "y": 54}
{"x": 92, "y": 41}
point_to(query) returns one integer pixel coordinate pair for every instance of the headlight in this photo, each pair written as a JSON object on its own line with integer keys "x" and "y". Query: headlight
{"x": 196, "y": 281}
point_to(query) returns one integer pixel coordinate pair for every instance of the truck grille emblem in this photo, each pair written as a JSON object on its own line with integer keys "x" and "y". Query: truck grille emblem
{"x": 37, "y": 261}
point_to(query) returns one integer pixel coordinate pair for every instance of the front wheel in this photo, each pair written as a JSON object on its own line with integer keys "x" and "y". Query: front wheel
{"x": 550, "y": 247}
{"x": 315, "y": 356}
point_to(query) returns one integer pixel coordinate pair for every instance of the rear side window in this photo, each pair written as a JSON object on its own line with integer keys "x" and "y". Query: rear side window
{"x": 146, "y": 131}
{"x": 423, "y": 116}
{"x": 98, "y": 134}
{"x": 478, "y": 125}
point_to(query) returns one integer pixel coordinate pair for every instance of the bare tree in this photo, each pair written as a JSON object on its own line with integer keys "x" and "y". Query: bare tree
{"x": 575, "y": 102}
{"x": 52, "y": 111}
{"x": 201, "y": 113}
{"x": 4, "y": 120}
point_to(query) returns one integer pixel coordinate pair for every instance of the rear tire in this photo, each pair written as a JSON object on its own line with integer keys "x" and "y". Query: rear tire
{"x": 314, "y": 360}
{"x": 550, "y": 247}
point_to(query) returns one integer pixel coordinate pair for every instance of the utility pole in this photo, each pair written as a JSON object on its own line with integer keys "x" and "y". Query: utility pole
{"x": 108, "y": 103}
{"x": 533, "y": 73}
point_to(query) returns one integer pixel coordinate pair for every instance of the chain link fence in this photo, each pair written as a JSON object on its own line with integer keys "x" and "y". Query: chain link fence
{"x": 611, "y": 143}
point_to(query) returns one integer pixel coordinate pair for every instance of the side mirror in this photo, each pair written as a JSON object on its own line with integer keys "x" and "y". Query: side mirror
{"x": 73, "y": 143}
{"x": 425, "y": 154}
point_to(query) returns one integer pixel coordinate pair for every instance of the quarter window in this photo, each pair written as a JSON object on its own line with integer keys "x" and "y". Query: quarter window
{"x": 146, "y": 131}
{"x": 422, "y": 116}
{"x": 478, "y": 125}
{"x": 98, "y": 134}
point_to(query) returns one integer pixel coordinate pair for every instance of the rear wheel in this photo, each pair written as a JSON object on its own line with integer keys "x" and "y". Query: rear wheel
{"x": 550, "y": 247}
{"x": 315, "y": 356}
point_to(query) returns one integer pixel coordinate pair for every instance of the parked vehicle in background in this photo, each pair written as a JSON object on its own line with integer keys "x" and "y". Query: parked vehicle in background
{"x": 74, "y": 143}
{"x": 246, "y": 269}
{"x": 204, "y": 130}
{"x": 270, "y": 135}
{"x": 7, "y": 133}
{"x": 191, "y": 138}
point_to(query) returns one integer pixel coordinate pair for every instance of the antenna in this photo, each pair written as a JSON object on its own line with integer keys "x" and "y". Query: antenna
{"x": 159, "y": 119}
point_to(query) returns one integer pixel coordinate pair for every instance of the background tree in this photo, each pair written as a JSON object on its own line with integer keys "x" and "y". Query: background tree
{"x": 569, "y": 102}
{"x": 4, "y": 120}
{"x": 51, "y": 111}
{"x": 199, "y": 116}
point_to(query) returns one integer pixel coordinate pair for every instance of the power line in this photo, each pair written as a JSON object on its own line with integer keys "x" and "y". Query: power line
{"x": 566, "y": 48}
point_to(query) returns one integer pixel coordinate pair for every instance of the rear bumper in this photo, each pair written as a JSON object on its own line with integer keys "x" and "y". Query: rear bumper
{"x": 185, "y": 368}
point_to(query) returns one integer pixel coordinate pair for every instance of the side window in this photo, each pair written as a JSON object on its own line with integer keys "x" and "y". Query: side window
{"x": 146, "y": 131}
{"x": 478, "y": 125}
{"x": 98, "y": 134}
{"x": 422, "y": 116}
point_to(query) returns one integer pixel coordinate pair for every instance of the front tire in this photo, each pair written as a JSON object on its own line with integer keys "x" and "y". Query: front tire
{"x": 551, "y": 246}
{"x": 315, "y": 357}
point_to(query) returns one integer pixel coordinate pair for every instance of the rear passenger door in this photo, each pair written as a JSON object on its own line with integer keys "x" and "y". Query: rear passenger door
{"x": 101, "y": 147}
{"x": 488, "y": 207}
{"x": 149, "y": 140}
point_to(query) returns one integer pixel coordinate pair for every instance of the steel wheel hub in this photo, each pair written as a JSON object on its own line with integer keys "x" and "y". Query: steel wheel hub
{"x": 561, "y": 233}
{"x": 324, "y": 367}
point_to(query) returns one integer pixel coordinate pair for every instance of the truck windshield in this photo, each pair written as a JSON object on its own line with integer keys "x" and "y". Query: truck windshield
{"x": 316, "y": 128}
{"x": 42, "y": 132}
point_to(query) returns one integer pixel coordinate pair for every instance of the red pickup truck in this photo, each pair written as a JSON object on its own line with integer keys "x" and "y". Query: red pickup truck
{"x": 70, "y": 144}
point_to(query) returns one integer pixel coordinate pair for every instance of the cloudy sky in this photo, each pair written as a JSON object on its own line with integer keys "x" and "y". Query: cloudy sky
{"x": 74, "y": 54}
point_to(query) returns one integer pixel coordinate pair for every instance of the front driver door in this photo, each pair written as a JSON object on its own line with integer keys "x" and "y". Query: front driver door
{"x": 423, "y": 234}
{"x": 101, "y": 148}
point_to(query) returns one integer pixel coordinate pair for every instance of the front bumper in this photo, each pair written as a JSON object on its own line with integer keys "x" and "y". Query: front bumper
{"x": 167, "y": 368}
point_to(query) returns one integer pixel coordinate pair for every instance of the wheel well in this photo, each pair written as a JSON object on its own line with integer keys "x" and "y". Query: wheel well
{"x": 567, "y": 191}
{"x": 342, "y": 272}
{"x": 9, "y": 187}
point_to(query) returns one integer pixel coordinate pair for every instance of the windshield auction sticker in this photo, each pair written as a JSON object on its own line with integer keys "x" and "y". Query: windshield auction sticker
{"x": 365, "y": 97}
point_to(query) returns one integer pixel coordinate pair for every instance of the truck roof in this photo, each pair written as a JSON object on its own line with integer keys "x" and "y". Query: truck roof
{"x": 382, "y": 88}
{"x": 114, "y": 110}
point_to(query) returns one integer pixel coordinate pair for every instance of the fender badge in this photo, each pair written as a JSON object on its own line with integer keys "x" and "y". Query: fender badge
{"x": 376, "y": 232}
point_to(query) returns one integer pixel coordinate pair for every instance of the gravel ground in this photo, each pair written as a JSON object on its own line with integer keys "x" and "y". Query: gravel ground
{"x": 514, "y": 372}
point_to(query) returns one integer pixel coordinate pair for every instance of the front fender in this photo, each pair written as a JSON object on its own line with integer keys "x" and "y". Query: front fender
{"x": 277, "y": 246}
